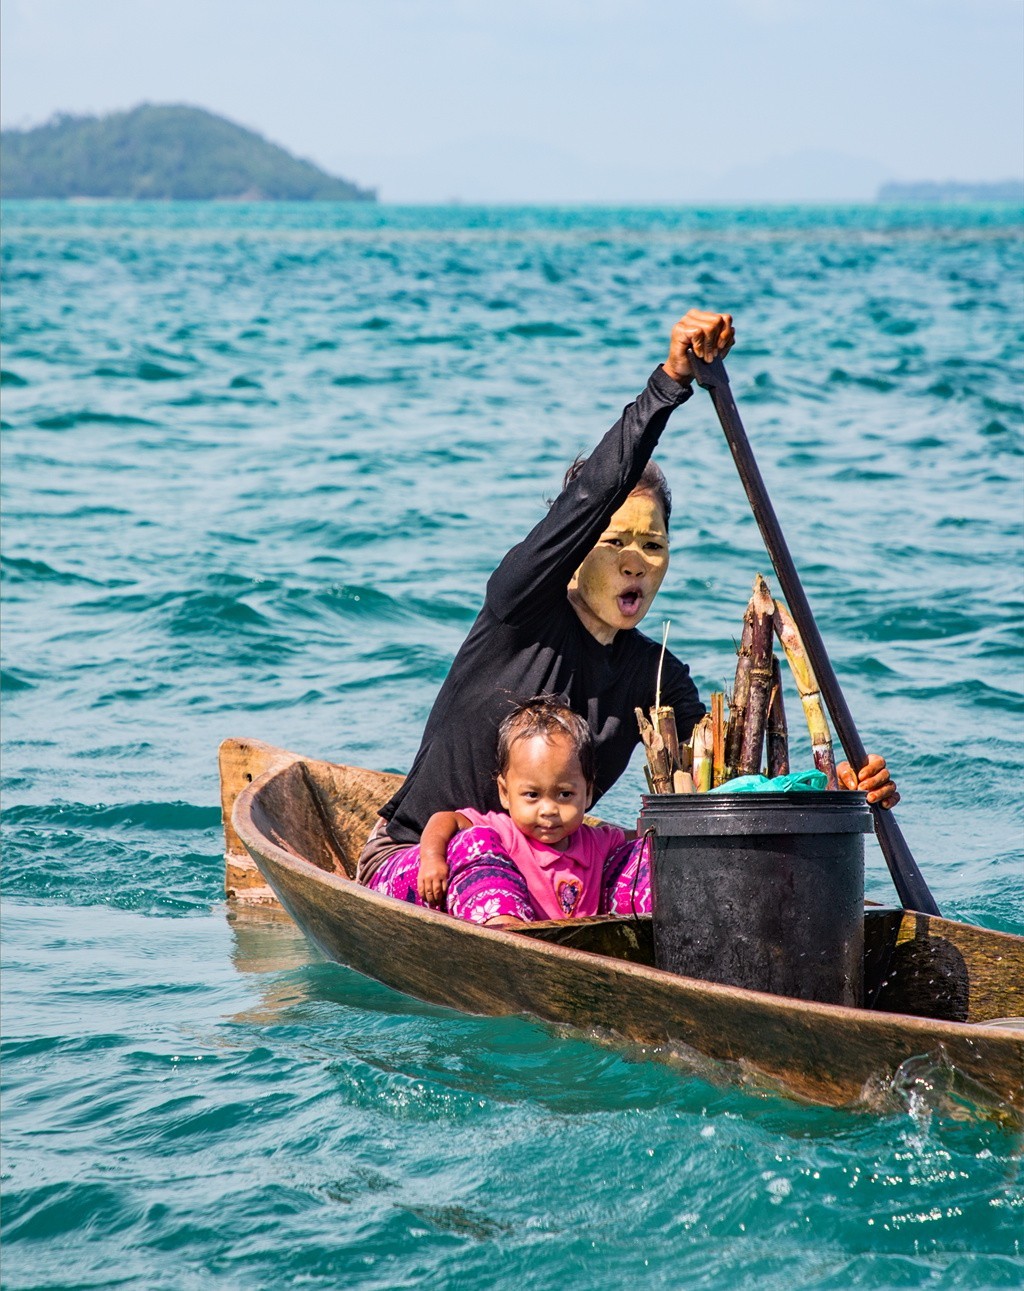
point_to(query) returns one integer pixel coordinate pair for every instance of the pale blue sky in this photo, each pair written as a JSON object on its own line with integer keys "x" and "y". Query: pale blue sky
{"x": 558, "y": 100}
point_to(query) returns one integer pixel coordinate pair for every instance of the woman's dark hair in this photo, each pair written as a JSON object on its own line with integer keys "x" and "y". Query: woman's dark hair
{"x": 652, "y": 481}
{"x": 547, "y": 715}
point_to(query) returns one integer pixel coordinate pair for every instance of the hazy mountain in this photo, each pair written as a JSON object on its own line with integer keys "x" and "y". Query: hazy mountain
{"x": 1006, "y": 190}
{"x": 160, "y": 152}
{"x": 509, "y": 168}
{"x": 807, "y": 176}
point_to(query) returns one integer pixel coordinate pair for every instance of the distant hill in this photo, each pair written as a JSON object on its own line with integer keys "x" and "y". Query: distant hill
{"x": 160, "y": 152}
{"x": 1005, "y": 190}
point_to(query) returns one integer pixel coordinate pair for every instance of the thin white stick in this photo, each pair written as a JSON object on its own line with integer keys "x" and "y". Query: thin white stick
{"x": 661, "y": 661}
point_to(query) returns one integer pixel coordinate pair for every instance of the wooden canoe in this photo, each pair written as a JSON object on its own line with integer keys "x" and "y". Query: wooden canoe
{"x": 942, "y": 992}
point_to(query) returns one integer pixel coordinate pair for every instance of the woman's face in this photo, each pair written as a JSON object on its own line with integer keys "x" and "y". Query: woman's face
{"x": 614, "y": 587}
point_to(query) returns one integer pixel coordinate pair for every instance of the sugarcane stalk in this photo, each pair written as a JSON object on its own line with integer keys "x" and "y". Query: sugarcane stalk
{"x": 740, "y": 696}
{"x": 702, "y": 754}
{"x": 686, "y": 756}
{"x": 659, "y": 734}
{"x": 663, "y": 720}
{"x": 682, "y": 782}
{"x": 661, "y": 661}
{"x": 659, "y": 760}
{"x": 810, "y": 697}
{"x": 759, "y": 679}
{"x": 717, "y": 738}
{"x": 777, "y": 728}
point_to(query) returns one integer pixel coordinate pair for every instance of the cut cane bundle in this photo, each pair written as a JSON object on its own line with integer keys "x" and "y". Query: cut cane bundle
{"x": 758, "y": 678}
{"x": 666, "y": 760}
{"x": 717, "y": 738}
{"x": 777, "y": 729}
{"x": 661, "y": 763}
{"x": 810, "y": 697}
{"x": 740, "y": 697}
{"x": 664, "y": 720}
{"x": 703, "y": 754}
{"x": 720, "y": 750}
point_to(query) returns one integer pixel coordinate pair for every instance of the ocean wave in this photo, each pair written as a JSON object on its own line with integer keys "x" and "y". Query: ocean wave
{"x": 917, "y": 621}
{"x": 22, "y": 569}
{"x": 202, "y": 612}
{"x": 134, "y": 694}
{"x": 265, "y": 700}
{"x": 970, "y": 692}
{"x": 881, "y": 384}
{"x": 52, "y": 1211}
{"x": 125, "y": 605}
{"x": 88, "y": 512}
{"x": 217, "y": 607}
{"x": 11, "y": 681}
{"x": 150, "y": 816}
{"x": 542, "y": 330}
{"x": 86, "y": 417}
{"x": 355, "y": 379}
{"x": 145, "y": 370}
{"x": 457, "y": 340}
{"x": 114, "y": 864}
{"x": 1004, "y": 438}
{"x": 353, "y": 601}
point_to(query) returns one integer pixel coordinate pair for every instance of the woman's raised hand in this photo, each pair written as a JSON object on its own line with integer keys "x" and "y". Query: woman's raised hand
{"x": 874, "y": 780}
{"x": 710, "y": 336}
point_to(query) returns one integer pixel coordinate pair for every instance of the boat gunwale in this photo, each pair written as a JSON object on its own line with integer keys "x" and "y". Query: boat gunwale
{"x": 935, "y": 1029}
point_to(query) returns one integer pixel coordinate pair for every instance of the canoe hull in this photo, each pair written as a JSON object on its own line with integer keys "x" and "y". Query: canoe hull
{"x": 824, "y": 1053}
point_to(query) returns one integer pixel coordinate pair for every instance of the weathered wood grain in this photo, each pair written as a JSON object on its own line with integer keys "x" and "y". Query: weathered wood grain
{"x": 241, "y": 762}
{"x": 337, "y": 812}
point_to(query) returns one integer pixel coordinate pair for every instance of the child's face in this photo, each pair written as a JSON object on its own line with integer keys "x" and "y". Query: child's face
{"x": 544, "y": 790}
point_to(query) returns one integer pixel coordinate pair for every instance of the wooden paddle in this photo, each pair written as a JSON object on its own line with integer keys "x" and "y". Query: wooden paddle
{"x": 910, "y": 885}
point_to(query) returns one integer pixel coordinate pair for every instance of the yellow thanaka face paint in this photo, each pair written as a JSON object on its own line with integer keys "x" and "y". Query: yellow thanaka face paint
{"x": 619, "y": 578}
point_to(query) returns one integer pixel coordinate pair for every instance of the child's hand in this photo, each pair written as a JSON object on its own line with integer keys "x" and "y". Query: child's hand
{"x": 432, "y": 880}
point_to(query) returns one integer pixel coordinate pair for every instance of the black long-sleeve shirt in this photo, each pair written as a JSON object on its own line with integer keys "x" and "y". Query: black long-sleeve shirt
{"x": 527, "y": 640}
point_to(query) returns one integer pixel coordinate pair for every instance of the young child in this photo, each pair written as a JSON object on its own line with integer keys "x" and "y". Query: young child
{"x": 540, "y": 861}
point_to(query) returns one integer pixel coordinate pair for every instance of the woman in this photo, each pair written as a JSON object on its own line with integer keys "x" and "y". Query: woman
{"x": 560, "y": 618}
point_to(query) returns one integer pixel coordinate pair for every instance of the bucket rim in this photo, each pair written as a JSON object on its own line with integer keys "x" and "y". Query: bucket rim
{"x": 842, "y": 811}
{"x": 855, "y": 799}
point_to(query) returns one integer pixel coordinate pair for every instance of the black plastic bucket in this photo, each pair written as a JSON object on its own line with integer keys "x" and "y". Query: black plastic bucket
{"x": 764, "y": 891}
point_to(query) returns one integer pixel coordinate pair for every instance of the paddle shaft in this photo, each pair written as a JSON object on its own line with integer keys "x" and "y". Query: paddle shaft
{"x": 910, "y": 885}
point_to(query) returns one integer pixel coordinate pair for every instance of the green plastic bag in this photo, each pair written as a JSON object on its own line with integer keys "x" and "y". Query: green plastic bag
{"x": 795, "y": 782}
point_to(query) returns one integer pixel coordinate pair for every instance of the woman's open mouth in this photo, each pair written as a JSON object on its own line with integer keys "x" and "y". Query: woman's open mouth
{"x": 629, "y": 602}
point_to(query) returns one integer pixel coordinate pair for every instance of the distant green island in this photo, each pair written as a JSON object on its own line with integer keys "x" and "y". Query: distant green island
{"x": 161, "y": 152}
{"x": 1004, "y": 190}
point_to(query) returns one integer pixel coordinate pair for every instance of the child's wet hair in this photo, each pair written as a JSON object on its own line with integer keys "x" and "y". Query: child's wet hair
{"x": 547, "y": 715}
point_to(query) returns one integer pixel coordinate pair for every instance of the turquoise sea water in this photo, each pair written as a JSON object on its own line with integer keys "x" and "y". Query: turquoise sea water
{"x": 257, "y": 464}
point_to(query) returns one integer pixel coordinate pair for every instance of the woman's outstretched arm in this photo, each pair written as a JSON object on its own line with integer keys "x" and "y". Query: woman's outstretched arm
{"x": 537, "y": 570}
